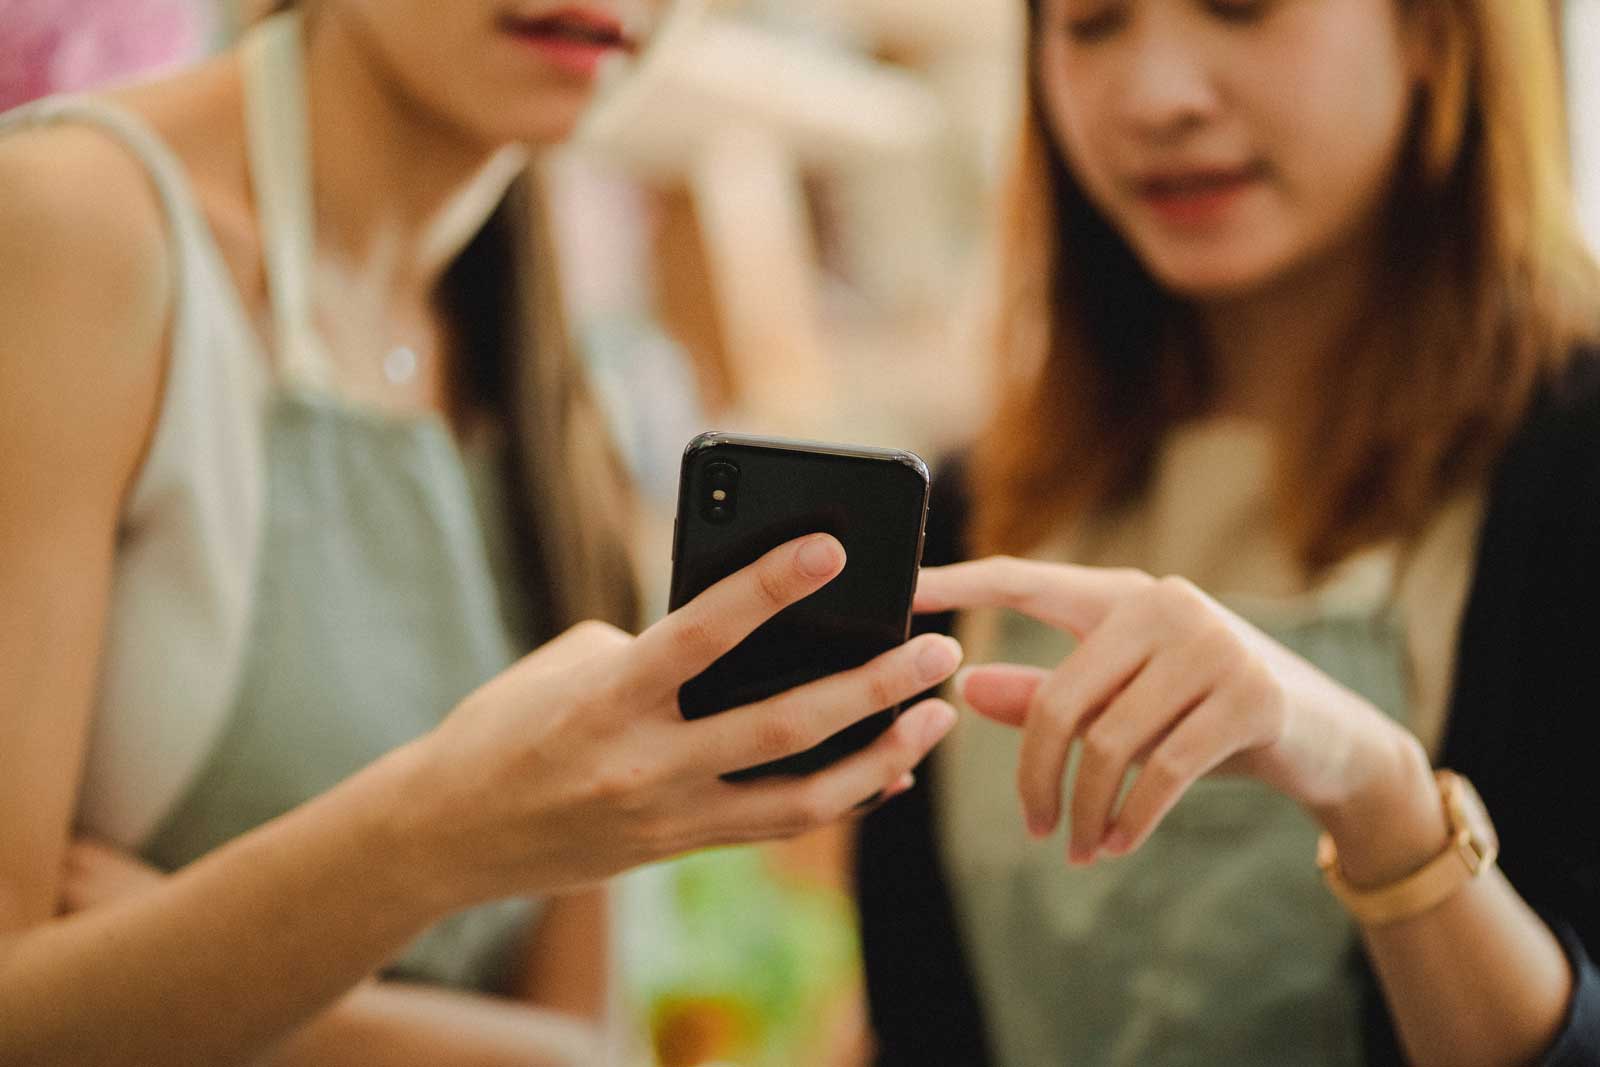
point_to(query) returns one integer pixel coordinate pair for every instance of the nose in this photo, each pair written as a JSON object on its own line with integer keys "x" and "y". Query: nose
{"x": 1168, "y": 86}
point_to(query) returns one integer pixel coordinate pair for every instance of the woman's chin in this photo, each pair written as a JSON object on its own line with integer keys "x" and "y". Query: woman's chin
{"x": 552, "y": 120}
{"x": 1210, "y": 277}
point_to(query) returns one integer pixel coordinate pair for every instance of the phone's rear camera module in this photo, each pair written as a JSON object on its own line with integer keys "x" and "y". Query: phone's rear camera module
{"x": 719, "y": 491}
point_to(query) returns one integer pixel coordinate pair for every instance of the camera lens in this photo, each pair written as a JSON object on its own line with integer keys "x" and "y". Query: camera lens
{"x": 718, "y": 497}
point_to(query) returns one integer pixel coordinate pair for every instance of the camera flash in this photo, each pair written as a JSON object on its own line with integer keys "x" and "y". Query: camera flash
{"x": 719, "y": 495}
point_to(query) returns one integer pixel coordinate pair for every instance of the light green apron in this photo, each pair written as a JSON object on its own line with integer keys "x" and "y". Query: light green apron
{"x": 381, "y": 595}
{"x": 1215, "y": 943}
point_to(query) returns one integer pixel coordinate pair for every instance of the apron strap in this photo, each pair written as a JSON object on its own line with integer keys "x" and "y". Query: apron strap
{"x": 280, "y": 171}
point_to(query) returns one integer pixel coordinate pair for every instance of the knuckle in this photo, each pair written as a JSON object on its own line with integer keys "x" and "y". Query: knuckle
{"x": 1221, "y": 645}
{"x": 1260, "y": 690}
{"x": 1102, "y": 743}
{"x": 1058, "y": 719}
{"x": 599, "y": 634}
{"x": 1014, "y": 577}
{"x": 816, "y": 807}
{"x": 1133, "y": 576}
{"x": 883, "y": 689}
{"x": 1217, "y": 652}
{"x": 696, "y": 638}
{"x": 773, "y": 585}
{"x": 1178, "y": 597}
{"x": 1167, "y": 770}
{"x": 779, "y": 735}
{"x": 903, "y": 748}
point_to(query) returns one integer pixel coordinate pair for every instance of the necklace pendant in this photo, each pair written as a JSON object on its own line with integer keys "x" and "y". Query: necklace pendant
{"x": 400, "y": 365}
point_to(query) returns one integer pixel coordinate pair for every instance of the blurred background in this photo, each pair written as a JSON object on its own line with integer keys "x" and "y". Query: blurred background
{"x": 780, "y": 222}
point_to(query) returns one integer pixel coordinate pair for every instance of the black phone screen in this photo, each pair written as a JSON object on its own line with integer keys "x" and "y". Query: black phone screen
{"x": 740, "y": 497}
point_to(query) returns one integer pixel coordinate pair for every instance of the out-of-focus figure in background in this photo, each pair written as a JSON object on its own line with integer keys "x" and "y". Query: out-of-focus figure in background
{"x": 1298, "y": 430}
{"x": 67, "y": 46}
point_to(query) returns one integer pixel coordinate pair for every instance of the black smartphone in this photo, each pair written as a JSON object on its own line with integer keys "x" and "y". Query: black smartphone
{"x": 739, "y": 497}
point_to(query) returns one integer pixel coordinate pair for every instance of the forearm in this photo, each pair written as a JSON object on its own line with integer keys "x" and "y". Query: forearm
{"x": 382, "y": 1024}
{"x": 1479, "y": 979}
{"x": 567, "y": 960}
{"x": 229, "y": 955}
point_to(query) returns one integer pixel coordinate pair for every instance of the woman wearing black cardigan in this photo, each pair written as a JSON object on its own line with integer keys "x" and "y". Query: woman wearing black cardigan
{"x": 1297, "y": 312}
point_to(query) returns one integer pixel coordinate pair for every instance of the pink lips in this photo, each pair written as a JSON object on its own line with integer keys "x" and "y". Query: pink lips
{"x": 573, "y": 39}
{"x": 1197, "y": 197}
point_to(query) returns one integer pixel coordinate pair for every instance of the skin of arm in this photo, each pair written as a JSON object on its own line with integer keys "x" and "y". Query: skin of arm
{"x": 553, "y": 1017}
{"x": 566, "y": 963}
{"x": 1167, "y": 680}
{"x": 1480, "y": 979}
{"x": 381, "y": 1022}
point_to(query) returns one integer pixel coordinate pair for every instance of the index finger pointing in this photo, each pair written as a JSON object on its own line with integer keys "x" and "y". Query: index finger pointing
{"x": 1061, "y": 594}
{"x": 690, "y": 639}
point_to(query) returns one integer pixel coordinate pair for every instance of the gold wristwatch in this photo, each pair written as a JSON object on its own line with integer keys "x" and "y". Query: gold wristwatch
{"x": 1472, "y": 850}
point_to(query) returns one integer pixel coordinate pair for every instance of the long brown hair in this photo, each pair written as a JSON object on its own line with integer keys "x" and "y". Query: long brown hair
{"x": 572, "y": 506}
{"x": 1488, "y": 289}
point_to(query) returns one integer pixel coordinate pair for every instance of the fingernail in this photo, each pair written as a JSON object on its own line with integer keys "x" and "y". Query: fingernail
{"x": 938, "y": 724}
{"x": 958, "y": 684}
{"x": 937, "y": 659}
{"x": 1038, "y": 826}
{"x": 818, "y": 557}
{"x": 1117, "y": 842}
{"x": 1080, "y": 855}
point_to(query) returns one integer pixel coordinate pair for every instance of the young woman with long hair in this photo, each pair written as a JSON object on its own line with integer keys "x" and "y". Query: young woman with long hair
{"x": 1291, "y": 493}
{"x": 295, "y": 459}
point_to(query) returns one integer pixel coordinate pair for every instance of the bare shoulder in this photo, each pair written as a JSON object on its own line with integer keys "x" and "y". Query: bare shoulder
{"x": 78, "y": 205}
{"x": 85, "y": 297}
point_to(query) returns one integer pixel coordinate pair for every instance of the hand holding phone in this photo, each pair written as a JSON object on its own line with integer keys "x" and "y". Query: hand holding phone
{"x": 740, "y": 497}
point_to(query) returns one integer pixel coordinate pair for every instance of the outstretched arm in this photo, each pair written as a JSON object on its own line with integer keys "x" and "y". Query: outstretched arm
{"x": 1167, "y": 681}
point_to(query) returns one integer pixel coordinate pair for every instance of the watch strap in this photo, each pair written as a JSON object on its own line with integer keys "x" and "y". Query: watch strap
{"x": 1472, "y": 849}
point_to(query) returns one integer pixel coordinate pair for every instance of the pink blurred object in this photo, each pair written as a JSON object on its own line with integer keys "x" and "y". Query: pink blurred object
{"x": 56, "y": 46}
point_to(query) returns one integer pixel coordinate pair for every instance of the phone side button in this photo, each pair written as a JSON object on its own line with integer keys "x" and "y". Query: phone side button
{"x": 674, "y": 540}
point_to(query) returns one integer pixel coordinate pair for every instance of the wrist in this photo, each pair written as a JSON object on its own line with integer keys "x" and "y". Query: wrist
{"x": 1391, "y": 823}
{"x": 394, "y": 830}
